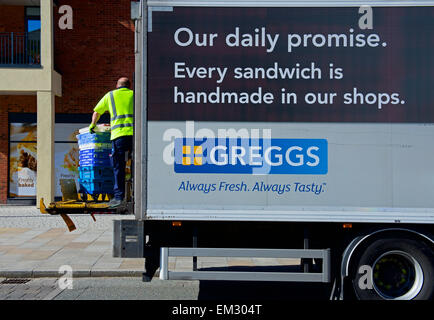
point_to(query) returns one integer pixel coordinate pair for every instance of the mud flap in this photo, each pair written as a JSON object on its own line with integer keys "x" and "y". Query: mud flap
{"x": 70, "y": 224}
{"x": 128, "y": 239}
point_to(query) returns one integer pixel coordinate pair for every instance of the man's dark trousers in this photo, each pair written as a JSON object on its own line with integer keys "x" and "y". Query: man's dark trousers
{"x": 119, "y": 147}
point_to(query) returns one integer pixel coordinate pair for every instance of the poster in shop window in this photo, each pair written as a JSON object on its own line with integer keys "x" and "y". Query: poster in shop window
{"x": 23, "y": 157}
{"x": 66, "y": 154}
{"x": 22, "y": 160}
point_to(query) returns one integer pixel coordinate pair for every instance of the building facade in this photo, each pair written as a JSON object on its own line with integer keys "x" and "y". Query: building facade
{"x": 51, "y": 77}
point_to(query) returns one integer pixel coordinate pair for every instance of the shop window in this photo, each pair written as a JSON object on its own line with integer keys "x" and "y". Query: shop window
{"x": 22, "y": 160}
{"x": 23, "y": 152}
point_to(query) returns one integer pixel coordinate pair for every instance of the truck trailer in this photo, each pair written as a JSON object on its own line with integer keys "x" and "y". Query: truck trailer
{"x": 286, "y": 129}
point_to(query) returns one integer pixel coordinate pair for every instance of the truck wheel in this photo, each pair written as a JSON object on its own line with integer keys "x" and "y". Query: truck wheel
{"x": 395, "y": 269}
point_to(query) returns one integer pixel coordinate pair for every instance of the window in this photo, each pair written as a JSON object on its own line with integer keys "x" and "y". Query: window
{"x": 33, "y": 23}
{"x": 33, "y": 34}
{"x": 23, "y": 153}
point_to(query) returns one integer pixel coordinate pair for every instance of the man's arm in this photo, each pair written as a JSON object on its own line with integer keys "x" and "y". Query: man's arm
{"x": 95, "y": 118}
{"x": 100, "y": 108}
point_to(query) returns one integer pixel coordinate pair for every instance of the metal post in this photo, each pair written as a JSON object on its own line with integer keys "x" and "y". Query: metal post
{"x": 26, "y": 48}
{"x": 137, "y": 187}
{"x": 140, "y": 116}
{"x": 195, "y": 246}
{"x": 144, "y": 107}
{"x": 306, "y": 262}
{"x": 12, "y": 48}
{"x": 20, "y": 50}
{"x": 19, "y": 57}
{"x": 326, "y": 271}
{"x": 164, "y": 262}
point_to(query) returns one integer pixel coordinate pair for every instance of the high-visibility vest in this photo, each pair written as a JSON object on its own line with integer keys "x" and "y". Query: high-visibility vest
{"x": 121, "y": 112}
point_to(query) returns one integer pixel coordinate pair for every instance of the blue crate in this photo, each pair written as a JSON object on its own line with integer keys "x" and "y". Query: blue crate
{"x": 90, "y": 186}
{"x": 91, "y": 157}
{"x": 95, "y": 163}
{"x": 95, "y": 146}
{"x": 104, "y": 151}
{"x": 97, "y": 137}
{"x": 90, "y": 172}
{"x": 90, "y": 154}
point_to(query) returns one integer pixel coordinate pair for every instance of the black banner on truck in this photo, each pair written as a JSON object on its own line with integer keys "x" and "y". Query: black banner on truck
{"x": 291, "y": 64}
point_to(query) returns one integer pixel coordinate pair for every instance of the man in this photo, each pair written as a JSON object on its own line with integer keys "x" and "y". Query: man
{"x": 119, "y": 103}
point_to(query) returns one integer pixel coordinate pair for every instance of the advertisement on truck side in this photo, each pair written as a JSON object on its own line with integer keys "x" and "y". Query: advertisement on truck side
{"x": 297, "y": 114}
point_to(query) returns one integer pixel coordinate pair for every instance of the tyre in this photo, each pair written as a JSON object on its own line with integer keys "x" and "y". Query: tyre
{"x": 395, "y": 269}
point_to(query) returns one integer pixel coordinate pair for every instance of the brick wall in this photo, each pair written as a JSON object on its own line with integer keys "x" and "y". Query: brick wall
{"x": 93, "y": 55}
{"x": 12, "y": 19}
{"x": 90, "y": 58}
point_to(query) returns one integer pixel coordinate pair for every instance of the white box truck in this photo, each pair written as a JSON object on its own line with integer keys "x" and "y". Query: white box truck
{"x": 286, "y": 129}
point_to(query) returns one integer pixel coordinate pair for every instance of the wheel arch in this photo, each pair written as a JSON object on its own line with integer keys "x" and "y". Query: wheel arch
{"x": 360, "y": 242}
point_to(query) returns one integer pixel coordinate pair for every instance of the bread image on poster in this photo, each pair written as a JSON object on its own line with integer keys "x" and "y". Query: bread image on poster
{"x": 22, "y": 160}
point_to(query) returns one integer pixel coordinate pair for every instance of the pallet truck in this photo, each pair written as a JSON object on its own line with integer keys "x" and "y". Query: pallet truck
{"x": 74, "y": 202}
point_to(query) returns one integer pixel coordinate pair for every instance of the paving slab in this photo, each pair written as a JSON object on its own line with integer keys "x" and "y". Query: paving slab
{"x": 37, "y": 245}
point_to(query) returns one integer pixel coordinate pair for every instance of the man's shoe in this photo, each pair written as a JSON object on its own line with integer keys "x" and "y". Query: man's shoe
{"x": 114, "y": 203}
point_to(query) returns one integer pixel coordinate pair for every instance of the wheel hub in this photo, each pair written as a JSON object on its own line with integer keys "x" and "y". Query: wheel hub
{"x": 397, "y": 276}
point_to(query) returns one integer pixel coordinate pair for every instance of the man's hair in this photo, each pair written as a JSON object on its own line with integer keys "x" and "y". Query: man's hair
{"x": 124, "y": 82}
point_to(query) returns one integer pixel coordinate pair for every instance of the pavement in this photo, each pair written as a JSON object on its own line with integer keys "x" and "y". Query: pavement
{"x": 35, "y": 245}
{"x": 30, "y": 289}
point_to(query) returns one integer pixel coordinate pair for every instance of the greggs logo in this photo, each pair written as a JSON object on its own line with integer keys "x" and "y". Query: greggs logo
{"x": 251, "y": 156}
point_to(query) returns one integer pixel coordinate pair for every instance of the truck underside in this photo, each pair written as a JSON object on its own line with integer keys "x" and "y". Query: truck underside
{"x": 402, "y": 255}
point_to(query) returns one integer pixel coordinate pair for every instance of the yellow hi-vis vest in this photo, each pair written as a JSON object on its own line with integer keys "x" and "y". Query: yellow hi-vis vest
{"x": 120, "y": 105}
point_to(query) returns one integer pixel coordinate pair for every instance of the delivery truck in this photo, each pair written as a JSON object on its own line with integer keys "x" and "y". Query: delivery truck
{"x": 286, "y": 129}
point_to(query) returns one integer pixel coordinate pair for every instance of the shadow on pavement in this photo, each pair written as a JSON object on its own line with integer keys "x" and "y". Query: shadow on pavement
{"x": 262, "y": 290}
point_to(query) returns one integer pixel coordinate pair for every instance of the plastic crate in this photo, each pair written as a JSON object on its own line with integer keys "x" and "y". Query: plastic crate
{"x": 95, "y": 162}
{"x": 98, "y": 186}
{"x": 105, "y": 127}
{"x": 95, "y": 146}
{"x": 90, "y": 154}
{"x": 97, "y": 137}
{"x": 94, "y": 173}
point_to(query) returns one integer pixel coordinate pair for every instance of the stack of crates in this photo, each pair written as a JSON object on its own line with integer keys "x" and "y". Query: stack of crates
{"x": 95, "y": 169}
